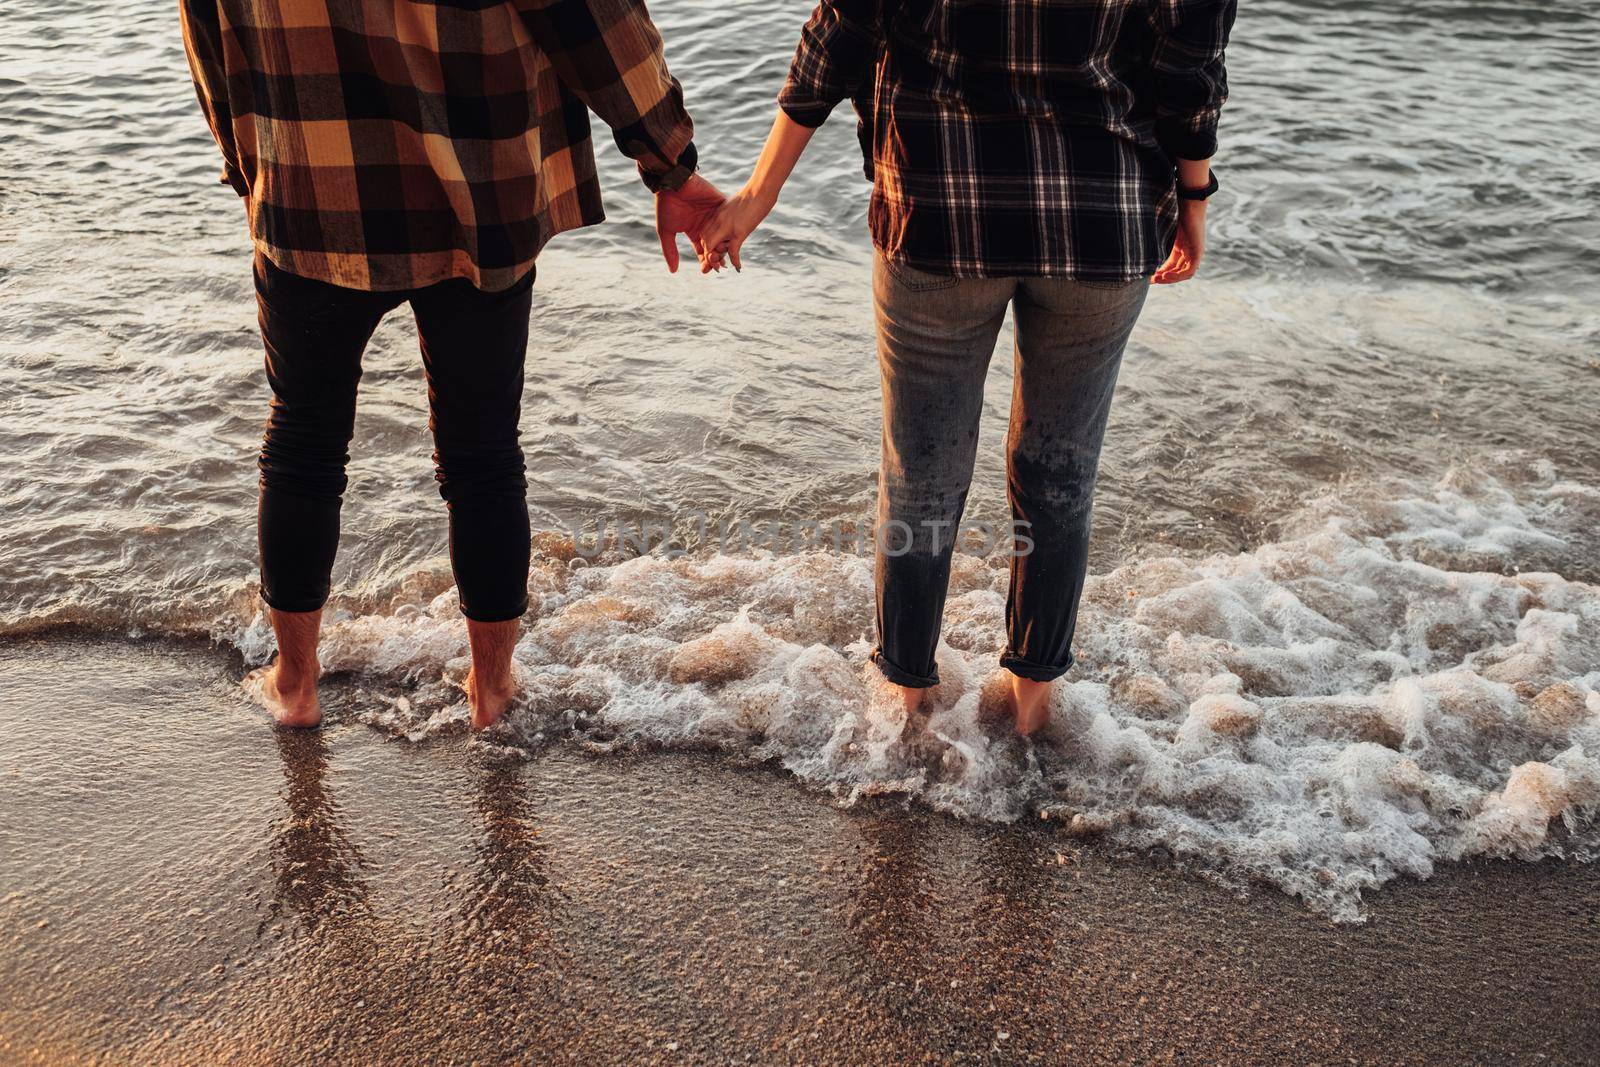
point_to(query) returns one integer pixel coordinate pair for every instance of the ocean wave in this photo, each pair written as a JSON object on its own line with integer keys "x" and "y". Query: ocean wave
{"x": 1373, "y": 693}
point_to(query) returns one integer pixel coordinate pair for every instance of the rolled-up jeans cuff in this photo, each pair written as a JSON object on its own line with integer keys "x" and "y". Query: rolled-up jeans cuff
{"x": 1036, "y": 672}
{"x": 903, "y": 677}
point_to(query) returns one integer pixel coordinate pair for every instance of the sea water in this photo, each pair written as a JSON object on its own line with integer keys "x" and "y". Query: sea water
{"x": 1343, "y": 623}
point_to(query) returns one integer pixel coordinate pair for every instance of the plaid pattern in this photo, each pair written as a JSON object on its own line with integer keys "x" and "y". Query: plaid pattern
{"x": 1020, "y": 137}
{"x": 391, "y": 144}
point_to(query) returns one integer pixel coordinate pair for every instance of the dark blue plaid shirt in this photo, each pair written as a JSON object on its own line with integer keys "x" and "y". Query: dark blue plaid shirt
{"x": 1020, "y": 137}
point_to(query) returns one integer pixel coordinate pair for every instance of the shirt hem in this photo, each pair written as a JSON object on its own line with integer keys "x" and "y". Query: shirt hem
{"x": 1019, "y": 270}
{"x": 286, "y": 260}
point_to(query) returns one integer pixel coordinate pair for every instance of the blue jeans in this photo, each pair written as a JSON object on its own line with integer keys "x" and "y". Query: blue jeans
{"x": 936, "y": 335}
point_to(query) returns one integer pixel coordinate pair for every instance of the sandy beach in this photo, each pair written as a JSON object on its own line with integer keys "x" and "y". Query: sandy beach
{"x": 181, "y": 884}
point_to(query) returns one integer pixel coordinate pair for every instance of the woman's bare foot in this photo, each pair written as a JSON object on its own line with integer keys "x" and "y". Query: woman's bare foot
{"x": 489, "y": 703}
{"x": 911, "y": 698}
{"x": 290, "y": 695}
{"x": 1030, "y": 701}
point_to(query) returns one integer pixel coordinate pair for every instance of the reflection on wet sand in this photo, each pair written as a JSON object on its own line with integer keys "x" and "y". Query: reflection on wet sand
{"x": 907, "y": 898}
{"x": 500, "y": 906}
{"x": 318, "y": 870}
{"x": 887, "y": 925}
{"x": 508, "y": 891}
{"x": 891, "y": 898}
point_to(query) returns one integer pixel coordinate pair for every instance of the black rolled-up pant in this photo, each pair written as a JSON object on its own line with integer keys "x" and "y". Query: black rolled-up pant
{"x": 473, "y": 344}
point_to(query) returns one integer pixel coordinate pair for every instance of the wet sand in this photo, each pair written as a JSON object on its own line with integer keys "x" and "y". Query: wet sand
{"x": 179, "y": 883}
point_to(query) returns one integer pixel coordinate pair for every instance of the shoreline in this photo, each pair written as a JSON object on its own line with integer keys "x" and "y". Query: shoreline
{"x": 182, "y": 884}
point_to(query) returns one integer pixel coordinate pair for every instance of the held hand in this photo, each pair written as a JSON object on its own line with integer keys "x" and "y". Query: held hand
{"x": 1189, "y": 246}
{"x": 686, "y": 210}
{"x": 732, "y": 223}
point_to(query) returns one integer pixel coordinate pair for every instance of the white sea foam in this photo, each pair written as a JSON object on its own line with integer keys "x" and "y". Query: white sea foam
{"x": 1361, "y": 699}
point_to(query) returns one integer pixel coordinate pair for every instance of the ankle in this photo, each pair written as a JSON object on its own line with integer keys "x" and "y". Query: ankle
{"x": 492, "y": 683}
{"x": 296, "y": 673}
{"x": 1026, "y": 689}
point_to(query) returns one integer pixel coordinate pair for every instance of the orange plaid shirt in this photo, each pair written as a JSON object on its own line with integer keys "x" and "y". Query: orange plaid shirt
{"x": 392, "y": 144}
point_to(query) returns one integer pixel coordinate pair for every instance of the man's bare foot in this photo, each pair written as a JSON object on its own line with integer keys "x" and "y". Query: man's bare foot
{"x": 1030, "y": 701}
{"x": 489, "y": 703}
{"x": 291, "y": 696}
{"x": 491, "y": 683}
{"x": 288, "y": 688}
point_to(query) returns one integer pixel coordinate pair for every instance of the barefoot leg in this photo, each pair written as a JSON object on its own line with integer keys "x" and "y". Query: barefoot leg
{"x": 490, "y": 684}
{"x": 289, "y": 687}
{"x": 1030, "y": 700}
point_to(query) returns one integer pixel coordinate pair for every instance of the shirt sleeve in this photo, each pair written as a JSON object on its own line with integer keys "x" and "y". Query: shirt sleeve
{"x": 202, "y": 41}
{"x": 609, "y": 55}
{"x": 838, "y": 50}
{"x": 1190, "y": 76}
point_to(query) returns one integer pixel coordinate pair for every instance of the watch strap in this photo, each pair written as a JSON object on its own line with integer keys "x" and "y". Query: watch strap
{"x": 1203, "y": 193}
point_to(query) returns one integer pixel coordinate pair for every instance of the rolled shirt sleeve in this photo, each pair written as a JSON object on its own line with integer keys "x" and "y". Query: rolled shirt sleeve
{"x": 837, "y": 53}
{"x": 608, "y": 53}
{"x": 202, "y": 40}
{"x": 1190, "y": 75}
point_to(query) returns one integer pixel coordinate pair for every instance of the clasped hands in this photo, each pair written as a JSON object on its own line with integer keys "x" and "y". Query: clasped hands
{"x": 715, "y": 225}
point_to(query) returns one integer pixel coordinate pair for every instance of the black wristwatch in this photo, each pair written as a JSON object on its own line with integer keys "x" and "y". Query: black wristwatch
{"x": 1199, "y": 194}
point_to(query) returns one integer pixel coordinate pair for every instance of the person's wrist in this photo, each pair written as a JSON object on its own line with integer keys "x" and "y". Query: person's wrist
{"x": 1197, "y": 188}
{"x": 762, "y": 194}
